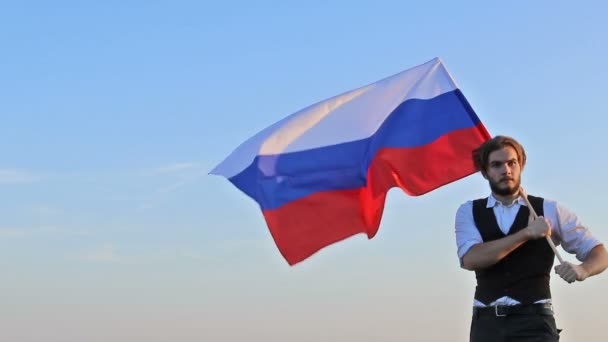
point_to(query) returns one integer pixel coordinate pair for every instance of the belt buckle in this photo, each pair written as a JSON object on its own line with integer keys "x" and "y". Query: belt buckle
{"x": 498, "y": 314}
{"x": 549, "y": 307}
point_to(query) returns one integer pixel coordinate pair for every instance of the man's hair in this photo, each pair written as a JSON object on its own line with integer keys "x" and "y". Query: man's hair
{"x": 481, "y": 155}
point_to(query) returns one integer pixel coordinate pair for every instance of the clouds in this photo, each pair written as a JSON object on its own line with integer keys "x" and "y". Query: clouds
{"x": 103, "y": 253}
{"x": 176, "y": 167}
{"x": 41, "y": 231}
{"x": 145, "y": 254}
{"x": 16, "y": 176}
{"x": 171, "y": 177}
{"x": 12, "y": 233}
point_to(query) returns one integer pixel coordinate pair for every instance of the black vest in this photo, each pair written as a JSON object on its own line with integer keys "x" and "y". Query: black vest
{"x": 523, "y": 274}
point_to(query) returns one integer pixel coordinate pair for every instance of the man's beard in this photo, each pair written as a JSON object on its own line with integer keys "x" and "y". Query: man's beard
{"x": 508, "y": 191}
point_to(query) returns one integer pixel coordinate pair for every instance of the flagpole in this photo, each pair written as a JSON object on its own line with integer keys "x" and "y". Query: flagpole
{"x": 524, "y": 195}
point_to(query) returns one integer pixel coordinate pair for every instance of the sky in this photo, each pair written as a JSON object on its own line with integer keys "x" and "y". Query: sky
{"x": 113, "y": 113}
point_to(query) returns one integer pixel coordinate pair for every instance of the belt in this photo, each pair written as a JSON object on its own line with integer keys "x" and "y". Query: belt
{"x": 507, "y": 310}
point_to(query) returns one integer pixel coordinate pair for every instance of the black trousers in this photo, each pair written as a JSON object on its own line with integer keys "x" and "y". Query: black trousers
{"x": 528, "y": 327}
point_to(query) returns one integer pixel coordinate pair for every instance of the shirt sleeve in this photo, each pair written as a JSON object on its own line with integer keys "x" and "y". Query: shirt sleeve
{"x": 467, "y": 234}
{"x": 573, "y": 236}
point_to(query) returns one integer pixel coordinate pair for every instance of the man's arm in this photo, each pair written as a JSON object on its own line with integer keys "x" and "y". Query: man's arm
{"x": 576, "y": 238}
{"x": 595, "y": 263}
{"x": 486, "y": 254}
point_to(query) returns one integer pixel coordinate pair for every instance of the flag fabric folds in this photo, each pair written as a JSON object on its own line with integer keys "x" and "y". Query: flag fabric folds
{"x": 321, "y": 174}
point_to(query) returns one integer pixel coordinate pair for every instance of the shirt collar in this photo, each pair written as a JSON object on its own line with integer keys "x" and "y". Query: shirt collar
{"x": 492, "y": 202}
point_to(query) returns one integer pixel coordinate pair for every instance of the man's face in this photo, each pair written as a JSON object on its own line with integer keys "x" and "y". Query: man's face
{"x": 504, "y": 171}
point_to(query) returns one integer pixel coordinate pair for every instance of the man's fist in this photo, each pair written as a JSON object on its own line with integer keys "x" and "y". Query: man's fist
{"x": 571, "y": 273}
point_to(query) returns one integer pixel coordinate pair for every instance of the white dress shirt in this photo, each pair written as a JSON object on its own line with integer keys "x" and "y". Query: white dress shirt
{"x": 566, "y": 230}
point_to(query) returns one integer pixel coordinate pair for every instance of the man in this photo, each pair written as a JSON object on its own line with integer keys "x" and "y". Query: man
{"x": 499, "y": 239}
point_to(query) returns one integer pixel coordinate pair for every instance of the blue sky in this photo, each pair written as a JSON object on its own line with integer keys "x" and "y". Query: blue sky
{"x": 112, "y": 114}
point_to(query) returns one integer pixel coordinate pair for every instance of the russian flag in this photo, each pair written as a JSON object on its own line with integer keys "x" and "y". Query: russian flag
{"x": 321, "y": 174}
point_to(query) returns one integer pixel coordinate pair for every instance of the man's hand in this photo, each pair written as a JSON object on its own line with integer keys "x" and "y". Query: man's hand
{"x": 570, "y": 272}
{"x": 538, "y": 228}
